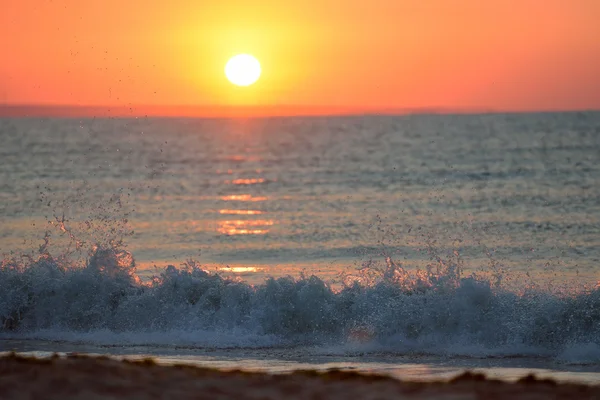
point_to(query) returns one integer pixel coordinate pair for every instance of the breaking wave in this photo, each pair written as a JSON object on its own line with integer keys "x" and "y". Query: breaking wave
{"x": 382, "y": 308}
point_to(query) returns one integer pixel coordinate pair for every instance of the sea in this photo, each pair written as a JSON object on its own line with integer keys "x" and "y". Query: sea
{"x": 417, "y": 246}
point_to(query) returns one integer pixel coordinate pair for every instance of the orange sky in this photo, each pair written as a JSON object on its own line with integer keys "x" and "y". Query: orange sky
{"x": 361, "y": 55}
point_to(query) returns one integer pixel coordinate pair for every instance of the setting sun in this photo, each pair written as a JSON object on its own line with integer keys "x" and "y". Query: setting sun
{"x": 243, "y": 70}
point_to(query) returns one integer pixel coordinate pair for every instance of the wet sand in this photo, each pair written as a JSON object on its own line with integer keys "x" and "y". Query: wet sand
{"x": 81, "y": 377}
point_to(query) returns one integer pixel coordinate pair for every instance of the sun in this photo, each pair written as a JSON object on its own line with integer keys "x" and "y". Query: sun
{"x": 242, "y": 70}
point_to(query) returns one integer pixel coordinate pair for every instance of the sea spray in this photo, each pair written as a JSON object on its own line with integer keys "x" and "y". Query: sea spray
{"x": 435, "y": 310}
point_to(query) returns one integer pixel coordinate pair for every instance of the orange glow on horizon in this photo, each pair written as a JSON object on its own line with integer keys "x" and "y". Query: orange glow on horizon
{"x": 317, "y": 57}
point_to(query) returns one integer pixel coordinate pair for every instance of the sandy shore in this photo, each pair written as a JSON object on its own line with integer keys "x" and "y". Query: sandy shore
{"x": 79, "y": 377}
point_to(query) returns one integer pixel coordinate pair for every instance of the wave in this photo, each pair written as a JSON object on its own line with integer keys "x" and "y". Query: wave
{"x": 432, "y": 311}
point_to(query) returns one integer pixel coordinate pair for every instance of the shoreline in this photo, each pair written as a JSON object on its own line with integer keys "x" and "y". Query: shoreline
{"x": 80, "y": 376}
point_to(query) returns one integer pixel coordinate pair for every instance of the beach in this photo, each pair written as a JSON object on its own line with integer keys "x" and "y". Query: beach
{"x": 78, "y": 376}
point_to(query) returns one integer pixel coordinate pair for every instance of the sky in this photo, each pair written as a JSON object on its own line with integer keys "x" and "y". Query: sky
{"x": 501, "y": 55}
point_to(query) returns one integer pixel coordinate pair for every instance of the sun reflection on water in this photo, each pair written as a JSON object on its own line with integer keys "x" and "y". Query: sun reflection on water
{"x": 243, "y": 197}
{"x": 239, "y": 269}
{"x": 246, "y": 181}
{"x": 240, "y": 212}
{"x": 240, "y": 227}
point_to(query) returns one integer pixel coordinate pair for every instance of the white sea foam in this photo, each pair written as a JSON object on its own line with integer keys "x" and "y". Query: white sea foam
{"x": 427, "y": 312}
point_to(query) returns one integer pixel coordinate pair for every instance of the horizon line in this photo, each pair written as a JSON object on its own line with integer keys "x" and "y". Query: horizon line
{"x": 244, "y": 111}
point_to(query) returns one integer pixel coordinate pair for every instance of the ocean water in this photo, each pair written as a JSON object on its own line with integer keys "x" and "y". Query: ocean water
{"x": 364, "y": 241}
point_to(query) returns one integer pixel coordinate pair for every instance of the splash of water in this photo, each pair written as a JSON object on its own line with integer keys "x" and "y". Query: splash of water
{"x": 438, "y": 310}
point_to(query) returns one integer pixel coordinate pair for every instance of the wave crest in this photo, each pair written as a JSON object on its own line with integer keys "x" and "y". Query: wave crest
{"x": 431, "y": 311}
